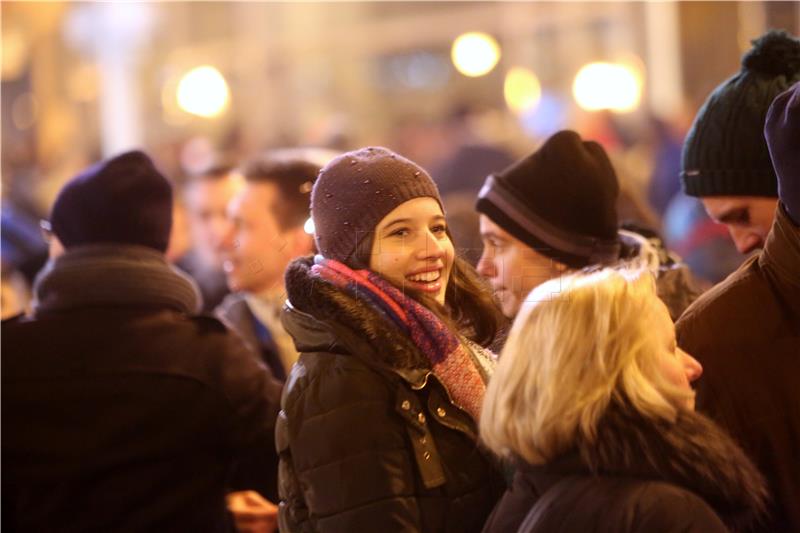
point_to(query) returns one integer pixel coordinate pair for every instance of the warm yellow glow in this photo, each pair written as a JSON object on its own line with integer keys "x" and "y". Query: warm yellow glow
{"x": 475, "y": 54}
{"x": 203, "y": 92}
{"x": 83, "y": 82}
{"x": 14, "y": 51}
{"x": 607, "y": 86}
{"x": 522, "y": 90}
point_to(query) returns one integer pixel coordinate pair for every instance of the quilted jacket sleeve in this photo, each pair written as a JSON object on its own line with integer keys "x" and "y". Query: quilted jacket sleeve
{"x": 349, "y": 451}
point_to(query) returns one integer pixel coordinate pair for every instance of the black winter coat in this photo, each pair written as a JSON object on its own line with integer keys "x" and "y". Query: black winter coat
{"x": 368, "y": 440}
{"x": 127, "y": 416}
{"x": 638, "y": 476}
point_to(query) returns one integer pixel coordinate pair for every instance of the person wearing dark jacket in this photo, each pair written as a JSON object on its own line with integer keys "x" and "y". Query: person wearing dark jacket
{"x": 377, "y": 430}
{"x": 746, "y": 332}
{"x": 555, "y": 211}
{"x": 267, "y": 232}
{"x": 123, "y": 410}
{"x": 592, "y": 401}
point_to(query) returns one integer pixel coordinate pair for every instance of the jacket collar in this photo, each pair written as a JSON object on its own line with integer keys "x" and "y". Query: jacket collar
{"x": 312, "y": 335}
{"x": 692, "y": 452}
{"x": 782, "y": 251}
{"x": 356, "y": 325}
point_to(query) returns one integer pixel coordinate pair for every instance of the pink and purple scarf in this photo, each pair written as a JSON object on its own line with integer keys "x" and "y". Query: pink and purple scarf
{"x": 448, "y": 356}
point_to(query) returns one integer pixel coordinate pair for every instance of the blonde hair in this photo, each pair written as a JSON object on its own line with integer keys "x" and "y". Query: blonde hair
{"x": 579, "y": 343}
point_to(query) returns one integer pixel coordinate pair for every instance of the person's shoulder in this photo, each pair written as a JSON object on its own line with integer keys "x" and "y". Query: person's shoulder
{"x": 14, "y": 319}
{"x": 662, "y": 506}
{"x": 334, "y": 379}
{"x": 208, "y": 323}
{"x": 733, "y": 299}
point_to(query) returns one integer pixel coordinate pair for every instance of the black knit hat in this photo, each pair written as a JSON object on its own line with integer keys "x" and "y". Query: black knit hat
{"x": 560, "y": 201}
{"x": 782, "y": 131}
{"x": 354, "y": 191}
{"x": 123, "y": 200}
{"x": 725, "y": 153}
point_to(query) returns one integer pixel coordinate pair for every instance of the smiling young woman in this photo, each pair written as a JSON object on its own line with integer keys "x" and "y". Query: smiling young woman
{"x": 378, "y": 428}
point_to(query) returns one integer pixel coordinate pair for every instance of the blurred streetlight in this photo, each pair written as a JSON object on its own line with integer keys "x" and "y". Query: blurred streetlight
{"x": 308, "y": 227}
{"x": 522, "y": 90}
{"x": 203, "y": 91}
{"x": 475, "y": 54}
{"x": 610, "y": 86}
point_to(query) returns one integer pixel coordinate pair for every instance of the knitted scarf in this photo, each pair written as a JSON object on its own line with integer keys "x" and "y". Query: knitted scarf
{"x": 102, "y": 275}
{"x": 449, "y": 358}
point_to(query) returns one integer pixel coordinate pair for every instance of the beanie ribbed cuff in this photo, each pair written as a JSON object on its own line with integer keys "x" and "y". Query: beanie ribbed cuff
{"x": 502, "y": 206}
{"x": 700, "y": 183}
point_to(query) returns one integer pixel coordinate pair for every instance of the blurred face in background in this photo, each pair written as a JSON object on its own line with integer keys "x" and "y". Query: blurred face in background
{"x": 512, "y": 267}
{"x": 206, "y": 203}
{"x": 411, "y": 248}
{"x": 256, "y": 249}
{"x": 748, "y": 218}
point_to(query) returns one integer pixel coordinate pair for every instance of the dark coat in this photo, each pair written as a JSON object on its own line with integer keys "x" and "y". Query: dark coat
{"x": 746, "y": 334}
{"x": 367, "y": 435}
{"x": 127, "y": 417}
{"x": 258, "y": 472}
{"x": 638, "y": 476}
{"x": 235, "y": 312}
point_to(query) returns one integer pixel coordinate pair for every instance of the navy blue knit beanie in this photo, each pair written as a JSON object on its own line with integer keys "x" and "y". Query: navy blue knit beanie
{"x": 122, "y": 200}
{"x": 725, "y": 153}
{"x": 782, "y": 131}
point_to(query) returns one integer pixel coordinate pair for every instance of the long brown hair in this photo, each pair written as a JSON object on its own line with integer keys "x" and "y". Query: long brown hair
{"x": 469, "y": 307}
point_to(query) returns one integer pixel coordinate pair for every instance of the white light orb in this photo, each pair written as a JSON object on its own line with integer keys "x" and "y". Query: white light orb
{"x": 203, "y": 92}
{"x": 475, "y": 54}
{"x": 522, "y": 90}
{"x": 611, "y": 86}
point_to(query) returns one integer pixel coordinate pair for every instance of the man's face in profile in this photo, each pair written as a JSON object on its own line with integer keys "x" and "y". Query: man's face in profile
{"x": 512, "y": 267}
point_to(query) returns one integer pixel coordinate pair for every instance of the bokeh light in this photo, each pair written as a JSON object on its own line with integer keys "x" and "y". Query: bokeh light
{"x": 611, "y": 86}
{"x": 203, "y": 92}
{"x": 475, "y": 54}
{"x": 308, "y": 227}
{"x": 522, "y": 90}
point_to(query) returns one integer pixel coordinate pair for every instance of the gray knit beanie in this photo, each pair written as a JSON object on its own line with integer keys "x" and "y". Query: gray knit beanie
{"x": 356, "y": 190}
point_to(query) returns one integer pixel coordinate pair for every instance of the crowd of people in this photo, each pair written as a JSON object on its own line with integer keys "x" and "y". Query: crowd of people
{"x": 353, "y": 372}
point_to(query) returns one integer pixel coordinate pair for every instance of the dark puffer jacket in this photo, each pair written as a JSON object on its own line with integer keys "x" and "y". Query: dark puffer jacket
{"x": 638, "y": 476}
{"x": 368, "y": 438}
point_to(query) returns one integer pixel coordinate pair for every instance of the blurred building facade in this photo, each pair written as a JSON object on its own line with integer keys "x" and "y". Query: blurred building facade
{"x": 84, "y": 80}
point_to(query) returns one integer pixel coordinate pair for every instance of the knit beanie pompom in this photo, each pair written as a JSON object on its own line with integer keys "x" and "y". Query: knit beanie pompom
{"x": 775, "y": 53}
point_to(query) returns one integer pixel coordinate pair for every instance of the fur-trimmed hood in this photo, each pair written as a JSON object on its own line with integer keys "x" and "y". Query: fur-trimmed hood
{"x": 320, "y": 316}
{"x": 693, "y": 453}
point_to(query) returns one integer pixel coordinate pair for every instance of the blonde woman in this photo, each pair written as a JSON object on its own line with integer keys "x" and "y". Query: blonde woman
{"x": 592, "y": 400}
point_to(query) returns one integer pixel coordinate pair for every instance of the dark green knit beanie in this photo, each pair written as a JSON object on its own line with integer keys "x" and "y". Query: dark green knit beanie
{"x": 725, "y": 153}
